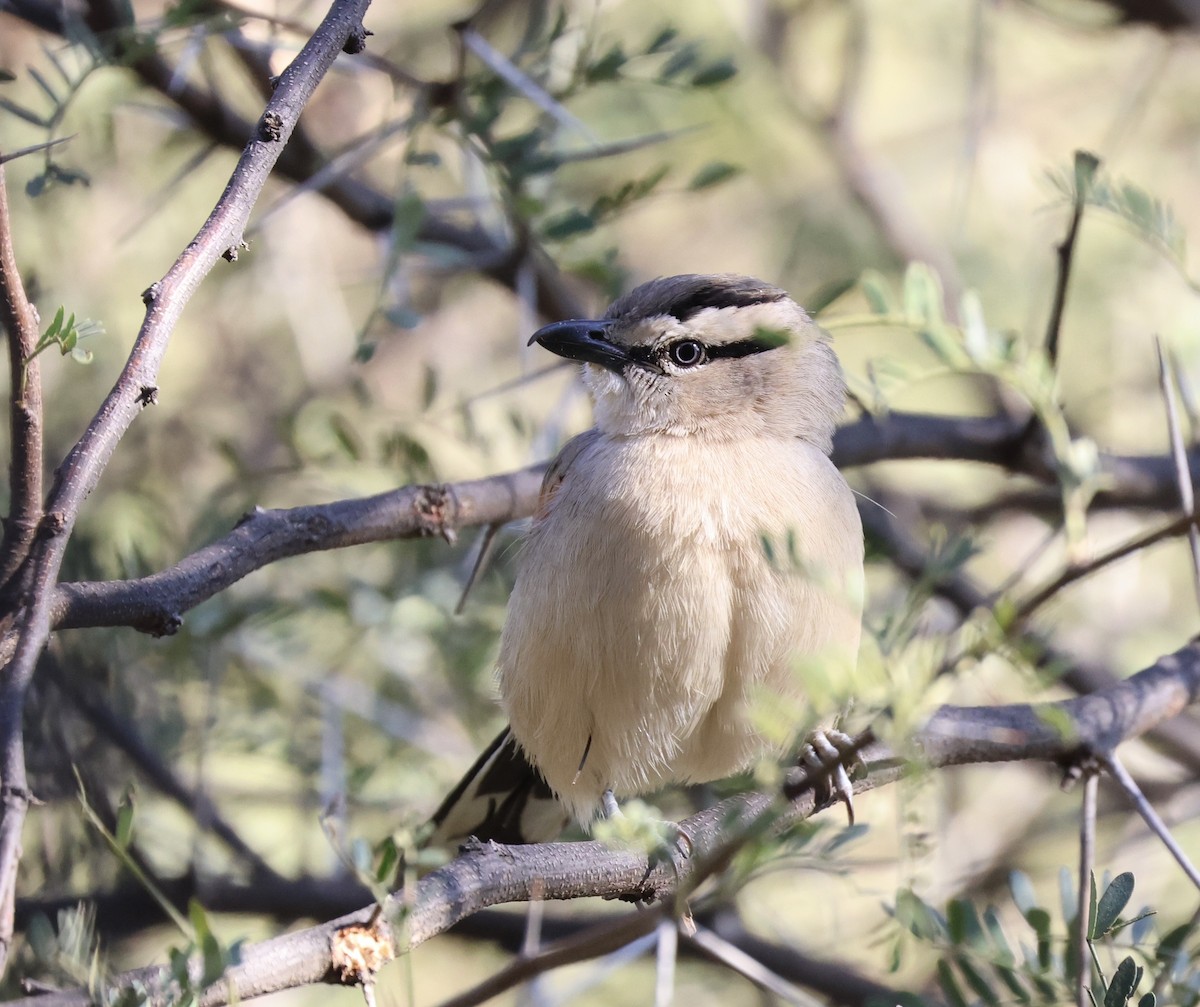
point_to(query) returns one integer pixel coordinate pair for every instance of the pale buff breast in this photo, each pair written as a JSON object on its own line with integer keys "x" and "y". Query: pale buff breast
{"x": 648, "y": 612}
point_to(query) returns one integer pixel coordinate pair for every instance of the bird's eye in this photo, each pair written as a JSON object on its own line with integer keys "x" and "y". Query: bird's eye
{"x": 686, "y": 353}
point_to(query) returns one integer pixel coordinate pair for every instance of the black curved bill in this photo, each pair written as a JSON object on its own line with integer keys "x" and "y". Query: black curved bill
{"x": 585, "y": 340}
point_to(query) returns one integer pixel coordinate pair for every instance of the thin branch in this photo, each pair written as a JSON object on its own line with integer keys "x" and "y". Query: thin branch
{"x": 1087, "y": 849}
{"x": 19, "y": 320}
{"x": 487, "y": 874}
{"x": 733, "y": 957}
{"x": 1085, "y": 169}
{"x": 136, "y": 388}
{"x": 1183, "y": 474}
{"x": 594, "y": 942}
{"x": 1081, "y": 570}
{"x": 1150, "y": 816}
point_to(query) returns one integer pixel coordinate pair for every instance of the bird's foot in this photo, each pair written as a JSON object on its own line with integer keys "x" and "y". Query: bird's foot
{"x": 826, "y": 755}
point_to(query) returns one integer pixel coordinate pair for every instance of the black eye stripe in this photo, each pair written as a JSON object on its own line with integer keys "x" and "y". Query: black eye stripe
{"x": 742, "y": 348}
{"x": 651, "y": 358}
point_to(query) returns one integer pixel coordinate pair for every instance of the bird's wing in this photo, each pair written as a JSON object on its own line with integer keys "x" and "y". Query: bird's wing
{"x": 559, "y": 468}
{"x": 502, "y": 798}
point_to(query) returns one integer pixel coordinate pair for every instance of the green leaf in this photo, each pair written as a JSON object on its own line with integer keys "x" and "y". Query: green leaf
{"x": 682, "y": 59}
{"x": 660, "y": 41}
{"x": 949, "y": 984}
{"x": 712, "y": 174}
{"x": 976, "y": 980}
{"x": 1022, "y": 891}
{"x": 877, "y": 291}
{"x": 569, "y": 224}
{"x": 389, "y": 857}
{"x": 608, "y": 66}
{"x": 963, "y": 922}
{"x": 39, "y": 933}
{"x": 124, "y": 830}
{"x": 714, "y": 74}
{"x": 1122, "y": 984}
{"x": 1147, "y": 1000}
{"x": 1086, "y": 166}
{"x": 1116, "y": 896}
{"x": 408, "y": 214}
{"x": 52, "y": 332}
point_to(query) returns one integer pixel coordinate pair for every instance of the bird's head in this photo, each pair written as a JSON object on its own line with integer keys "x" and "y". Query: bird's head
{"x": 718, "y": 356}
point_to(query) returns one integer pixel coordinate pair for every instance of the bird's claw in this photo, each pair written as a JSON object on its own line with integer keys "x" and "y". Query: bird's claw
{"x": 825, "y": 755}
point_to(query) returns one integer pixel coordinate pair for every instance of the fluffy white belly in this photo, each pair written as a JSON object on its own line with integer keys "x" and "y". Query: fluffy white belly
{"x": 647, "y": 617}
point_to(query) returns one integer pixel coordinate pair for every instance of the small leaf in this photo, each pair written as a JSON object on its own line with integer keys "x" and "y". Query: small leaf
{"x": 1022, "y": 891}
{"x": 568, "y": 224}
{"x": 1147, "y": 1000}
{"x": 1122, "y": 984}
{"x": 1114, "y": 899}
{"x": 608, "y": 66}
{"x": 55, "y": 326}
{"x": 712, "y": 174}
{"x": 81, "y": 355}
{"x": 877, "y": 292}
{"x": 408, "y": 214}
{"x": 660, "y": 41}
{"x": 681, "y": 60}
{"x": 949, "y": 984}
{"x": 714, "y": 74}
{"x": 39, "y": 933}
{"x": 124, "y": 829}
{"x": 389, "y": 857}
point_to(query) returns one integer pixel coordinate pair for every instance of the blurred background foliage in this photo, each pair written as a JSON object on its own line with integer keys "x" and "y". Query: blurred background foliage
{"x": 803, "y": 142}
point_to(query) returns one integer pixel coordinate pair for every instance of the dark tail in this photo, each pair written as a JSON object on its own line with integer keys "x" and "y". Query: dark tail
{"x": 502, "y": 798}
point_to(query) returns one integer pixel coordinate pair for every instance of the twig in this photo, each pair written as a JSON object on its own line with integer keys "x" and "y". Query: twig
{"x": 733, "y": 957}
{"x": 1085, "y": 170}
{"x": 19, "y": 320}
{"x": 1183, "y": 473}
{"x": 1081, "y": 570}
{"x": 667, "y": 947}
{"x": 1087, "y": 843}
{"x": 135, "y": 389}
{"x": 602, "y": 939}
{"x": 1150, "y": 816}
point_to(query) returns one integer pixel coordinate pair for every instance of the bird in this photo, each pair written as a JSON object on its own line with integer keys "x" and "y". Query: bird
{"x": 651, "y": 612}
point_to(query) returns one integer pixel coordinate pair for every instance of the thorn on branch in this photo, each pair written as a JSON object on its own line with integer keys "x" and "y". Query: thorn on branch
{"x": 357, "y": 953}
{"x": 147, "y": 396}
{"x": 270, "y": 127}
{"x": 250, "y": 515}
{"x": 356, "y": 41}
{"x": 433, "y": 508}
{"x": 52, "y": 524}
{"x": 150, "y": 294}
{"x": 231, "y": 253}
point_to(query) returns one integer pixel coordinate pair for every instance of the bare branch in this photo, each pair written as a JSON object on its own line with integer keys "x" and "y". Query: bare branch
{"x": 1183, "y": 474}
{"x": 155, "y": 604}
{"x": 221, "y": 235}
{"x": 1087, "y": 850}
{"x": 1085, "y": 168}
{"x": 20, "y": 322}
{"x": 1150, "y": 816}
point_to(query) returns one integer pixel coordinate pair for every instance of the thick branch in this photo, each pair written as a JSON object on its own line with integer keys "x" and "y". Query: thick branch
{"x": 156, "y": 603}
{"x": 489, "y": 874}
{"x": 20, "y": 322}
